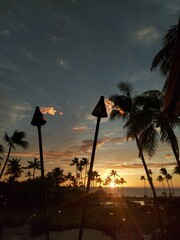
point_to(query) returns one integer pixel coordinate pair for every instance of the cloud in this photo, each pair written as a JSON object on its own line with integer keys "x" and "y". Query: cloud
{"x": 117, "y": 166}
{"x": 5, "y": 33}
{"x": 118, "y": 140}
{"x": 172, "y": 7}
{"x": 9, "y": 66}
{"x": 63, "y": 64}
{"x": 73, "y": 1}
{"x": 169, "y": 156}
{"x": 57, "y": 39}
{"x": 146, "y": 35}
{"x": 80, "y": 128}
{"x": 15, "y": 113}
{"x": 29, "y": 54}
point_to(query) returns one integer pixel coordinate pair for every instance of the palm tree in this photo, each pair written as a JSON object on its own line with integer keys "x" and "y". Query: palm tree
{"x": 126, "y": 108}
{"x": 122, "y": 181}
{"x": 161, "y": 179}
{"x": 58, "y": 176}
{"x": 144, "y": 179}
{"x": 164, "y": 172}
{"x": 113, "y": 174}
{"x": 152, "y": 104}
{"x": 75, "y": 162}
{"x": 71, "y": 178}
{"x": 107, "y": 181}
{"x": 176, "y": 170}
{"x": 84, "y": 162}
{"x": 36, "y": 164}
{"x": 1, "y": 151}
{"x": 163, "y": 58}
{"x": 99, "y": 180}
{"x": 1, "y": 148}
{"x": 117, "y": 182}
{"x": 16, "y": 139}
{"x": 28, "y": 175}
{"x": 94, "y": 177}
{"x": 14, "y": 169}
{"x": 80, "y": 171}
{"x": 169, "y": 178}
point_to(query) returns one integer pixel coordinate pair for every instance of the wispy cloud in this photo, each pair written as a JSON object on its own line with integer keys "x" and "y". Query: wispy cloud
{"x": 171, "y": 7}
{"x": 5, "y": 33}
{"x": 9, "y": 66}
{"x": 145, "y": 35}
{"x": 80, "y": 128}
{"x": 29, "y": 54}
{"x": 15, "y": 113}
{"x": 63, "y": 63}
{"x": 57, "y": 39}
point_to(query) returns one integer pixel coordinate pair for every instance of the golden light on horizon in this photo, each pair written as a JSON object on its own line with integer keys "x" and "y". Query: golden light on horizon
{"x": 112, "y": 184}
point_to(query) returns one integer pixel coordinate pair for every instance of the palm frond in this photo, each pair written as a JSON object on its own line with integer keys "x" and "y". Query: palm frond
{"x": 17, "y": 139}
{"x": 115, "y": 114}
{"x": 149, "y": 140}
{"x": 126, "y": 88}
{"x": 6, "y": 138}
{"x": 1, "y": 148}
{"x": 163, "y": 58}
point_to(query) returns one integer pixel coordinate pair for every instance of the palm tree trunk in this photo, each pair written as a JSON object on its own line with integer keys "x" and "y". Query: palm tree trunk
{"x": 7, "y": 159}
{"x": 34, "y": 173}
{"x": 172, "y": 187}
{"x": 145, "y": 187}
{"x": 164, "y": 188}
{"x": 176, "y": 155}
{"x": 169, "y": 187}
{"x": 152, "y": 188}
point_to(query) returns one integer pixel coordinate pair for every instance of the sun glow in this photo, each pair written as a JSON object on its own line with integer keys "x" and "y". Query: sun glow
{"x": 112, "y": 185}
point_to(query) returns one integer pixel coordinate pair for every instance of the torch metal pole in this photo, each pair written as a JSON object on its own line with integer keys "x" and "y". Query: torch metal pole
{"x": 99, "y": 112}
{"x": 46, "y": 220}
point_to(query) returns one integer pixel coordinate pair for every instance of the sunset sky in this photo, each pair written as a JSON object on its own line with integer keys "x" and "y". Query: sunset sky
{"x": 65, "y": 55}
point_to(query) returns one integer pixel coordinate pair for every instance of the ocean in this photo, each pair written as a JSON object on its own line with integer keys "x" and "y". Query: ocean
{"x": 137, "y": 191}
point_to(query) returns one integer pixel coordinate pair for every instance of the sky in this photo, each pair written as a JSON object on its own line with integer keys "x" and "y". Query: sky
{"x": 62, "y": 55}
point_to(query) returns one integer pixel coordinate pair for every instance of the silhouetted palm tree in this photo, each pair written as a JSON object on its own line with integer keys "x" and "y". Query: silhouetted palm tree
{"x": 126, "y": 108}
{"x": 152, "y": 104}
{"x": 107, "y": 181}
{"x": 1, "y": 151}
{"x": 113, "y": 174}
{"x": 1, "y": 148}
{"x": 58, "y": 176}
{"x": 122, "y": 181}
{"x": 99, "y": 180}
{"x": 28, "y": 175}
{"x": 75, "y": 162}
{"x": 144, "y": 179}
{"x": 14, "y": 169}
{"x": 161, "y": 179}
{"x": 169, "y": 178}
{"x": 16, "y": 139}
{"x": 164, "y": 172}
{"x": 84, "y": 162}
{"x": 176, "y": 170}
{"x": 94, "y": 177}
{"x": 163, "y": 58}
{"x": 71, "y": 178}
{"x": 36, "y": 164}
